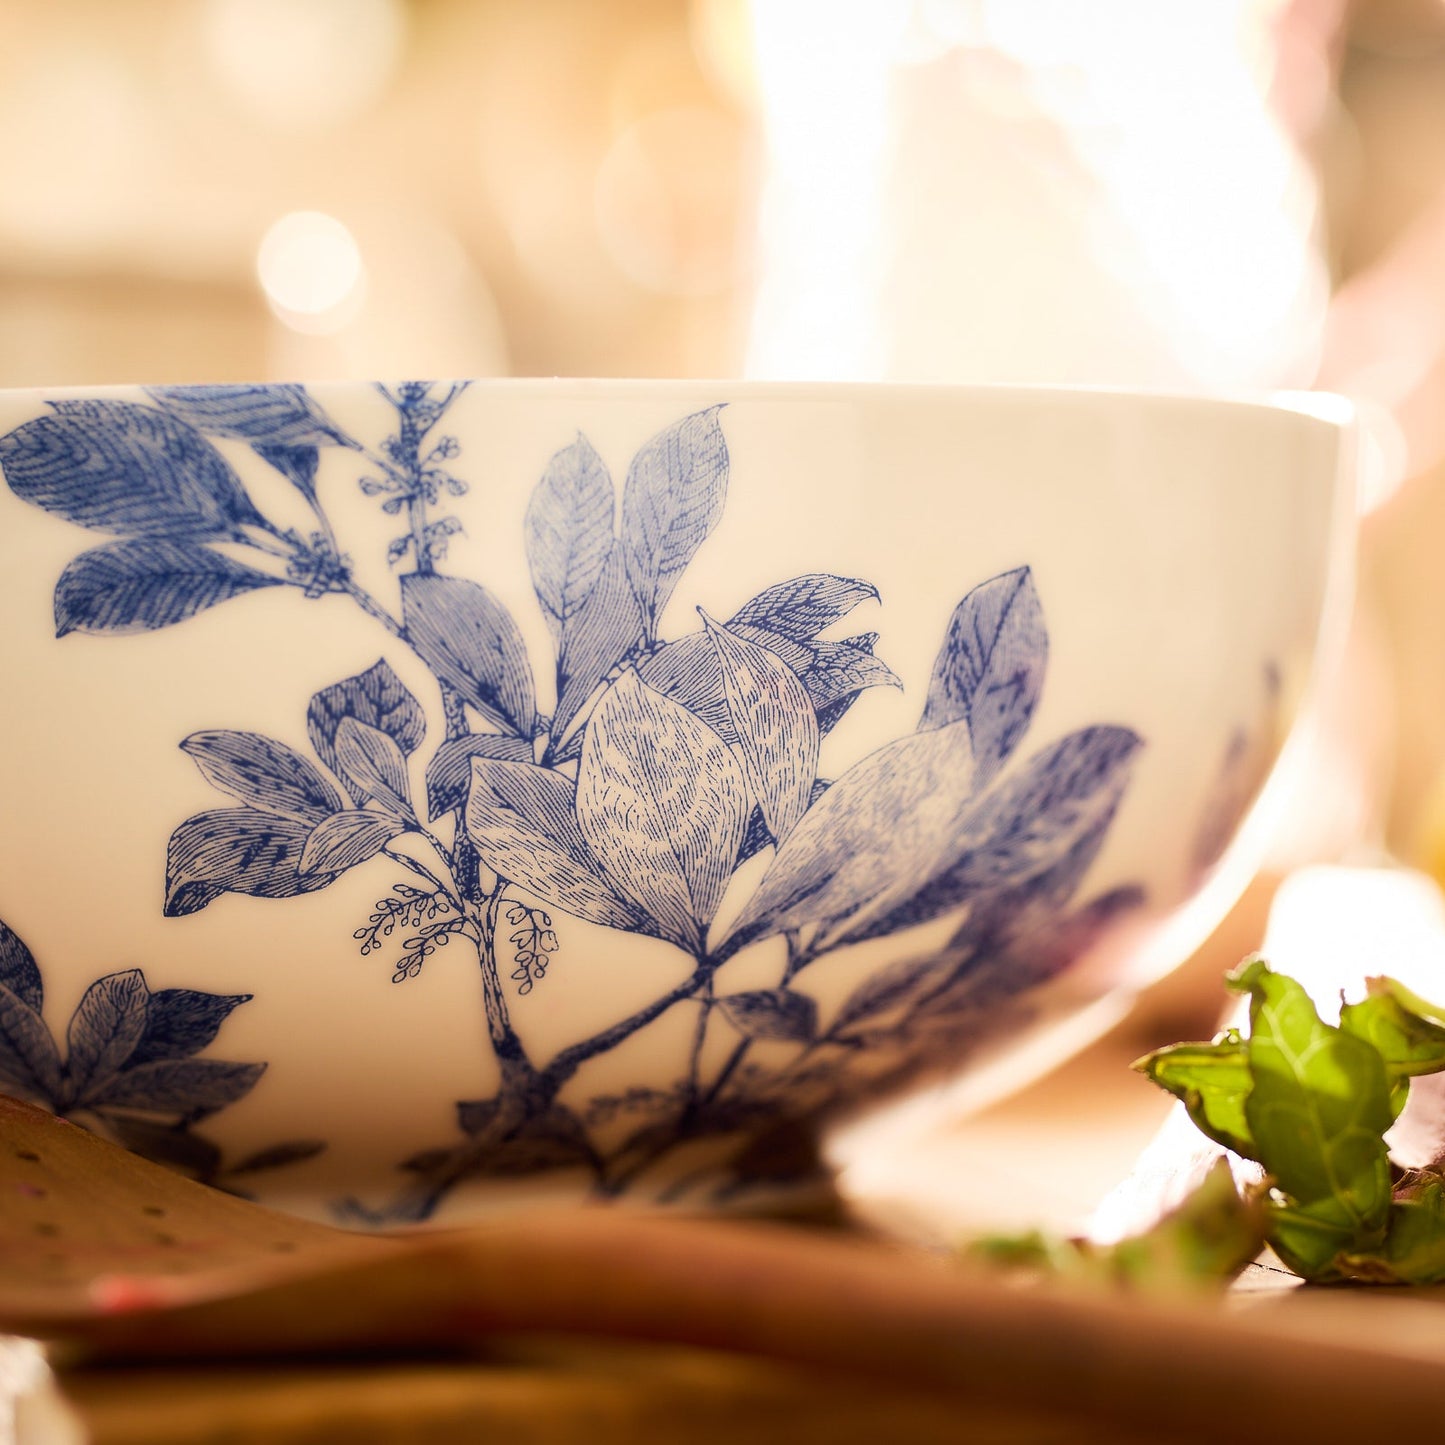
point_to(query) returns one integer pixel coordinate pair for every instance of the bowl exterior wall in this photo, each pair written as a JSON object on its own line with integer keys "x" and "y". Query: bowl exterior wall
{"x": 602, "y": 778}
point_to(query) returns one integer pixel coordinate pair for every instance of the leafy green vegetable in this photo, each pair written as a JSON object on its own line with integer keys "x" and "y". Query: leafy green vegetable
{"x": 1407, "y": 1032}
{"x": 1311, "y": 1104}
{"x": 1415, "y": 1244}
{"x": 1319, "y": 1106}
{"x": 1209, "y": 1237}
{"x": 1212, "y": 1081}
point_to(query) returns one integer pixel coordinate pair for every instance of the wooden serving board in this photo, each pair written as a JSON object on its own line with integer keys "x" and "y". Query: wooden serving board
{"x": 151, "y": 1284}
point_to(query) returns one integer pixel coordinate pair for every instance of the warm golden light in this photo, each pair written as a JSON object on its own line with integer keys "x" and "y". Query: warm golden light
{"x": 305, "y": 62}
{"x": 1017, "y": 190}
{"x": 666, "y": 197}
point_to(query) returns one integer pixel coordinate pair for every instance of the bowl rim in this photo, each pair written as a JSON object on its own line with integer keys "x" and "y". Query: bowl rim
{"x": 1331, "y": 408}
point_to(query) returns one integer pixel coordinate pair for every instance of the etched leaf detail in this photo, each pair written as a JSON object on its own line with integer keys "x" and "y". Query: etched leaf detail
{"x": 1045, "y": 817}
{"x": 776, "y": 727}
{"x": 29, "y": 1062}
{"x": 990, "y": 669}
{"x": 869, "y": 842}
{"x": 18, "y": 971}
{"x": 672, "y": 500}
{"x": 282, "y": 424}
{"x": 298, "y": 465}
{"x": 179, "y": 1086}
{"x": 663, "y": 806}
{"x": 802, "y": 607}
{"x": 346, "y": 839}
{"x": 127, "y": 469}
{"x": 373, "y": 764}
{"x": 264, "y": 773}
{"x": 569, "y": 531}
{"x": 605, "y": 629}
{"x": 838, "y": 672}
{"x": 376, "y": 697}
{"x": 449, "y": 774}
{"x": 181, "y": 1022}
{"x": 469, "y": 640}
{"x": 832, "y": 673}
{"x": 105, "y": 1028}
{"x": 523, "y": 821}
{"x": 236, "y": 850}
{"x": 772, "y": 1013}
{"x": 274, "y": 414}
{"x": 145, "y": 585}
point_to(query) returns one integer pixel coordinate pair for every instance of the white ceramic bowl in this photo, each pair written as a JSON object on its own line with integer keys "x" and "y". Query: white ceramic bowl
{"x": 412, "y": 787}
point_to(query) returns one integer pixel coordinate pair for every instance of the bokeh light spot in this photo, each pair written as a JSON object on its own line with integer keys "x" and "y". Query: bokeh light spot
{"x": 311, "y": 270}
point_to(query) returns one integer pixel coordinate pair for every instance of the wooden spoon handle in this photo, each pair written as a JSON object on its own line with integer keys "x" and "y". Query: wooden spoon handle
{"x": 845, "y": 1305}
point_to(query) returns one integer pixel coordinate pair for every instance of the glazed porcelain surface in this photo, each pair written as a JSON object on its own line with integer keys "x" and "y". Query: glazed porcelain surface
{"x": 417, "y": 787}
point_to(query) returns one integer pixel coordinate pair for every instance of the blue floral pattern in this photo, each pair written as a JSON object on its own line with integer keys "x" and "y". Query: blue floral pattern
{"x": 665, "y": 765}
{"x": 130, "y": 1069}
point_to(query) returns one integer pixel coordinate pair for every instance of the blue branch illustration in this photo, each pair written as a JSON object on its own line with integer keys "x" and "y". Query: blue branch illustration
{"x": 664, "y": 767}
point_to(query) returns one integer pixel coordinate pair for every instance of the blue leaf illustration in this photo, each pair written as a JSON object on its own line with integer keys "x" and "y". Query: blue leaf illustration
{"x": 236, "y": 850}
{"x": 758, "y": 837}
{"x": 173, "y": 1145}
{"x": 776, "y": 727}
{"x": 772, "y": 1013}
{"x": 674, "y": 495}
{"x": 475, "y": 1116}
{"x": 278, "y": 1156}
{"x": 1036, "y": 903}
{"x": 181, "y": 1022}
{"x": 376, "y": 697}
{"x": 449, "y": 774}
{"x": 603, "y": 633}
{"x": 523, "y": 820}
{"x": 105, "y": 1028}
{"x": 689, "y": 672}
{"x": 346, "y": 839}
{"x": 127, "y": 469}
{"x": 1021, "y": 932}
{"x": 839, "y": 671}
{"x": 144, "y": 585}
{"x": 868, "y": 843}
{"x": 832, "y": 674}
{"x": 269, "y": 414}
{"x": 298, "y": 465}
{"x": 569, "y": 531}
{"x": 801, "y": 608}
{"x": 889, "y": 988}
{"x": 373, "y": 766}
{"x": 264, "y": 773}
{"x": 29, "y": 1063}
{"x": 18, "y": 971}
{"x": 663, "y": 805}
{"x": 469, "y": 640}
{"x": 178, "y": 1086}
{"x": 990, "y": 669}
{"x": 1028, "y": 824}
{"x": 1062, "y": 793}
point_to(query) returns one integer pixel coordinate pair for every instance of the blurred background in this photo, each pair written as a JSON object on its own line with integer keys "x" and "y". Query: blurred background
{"x": 1214, "y": 195}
